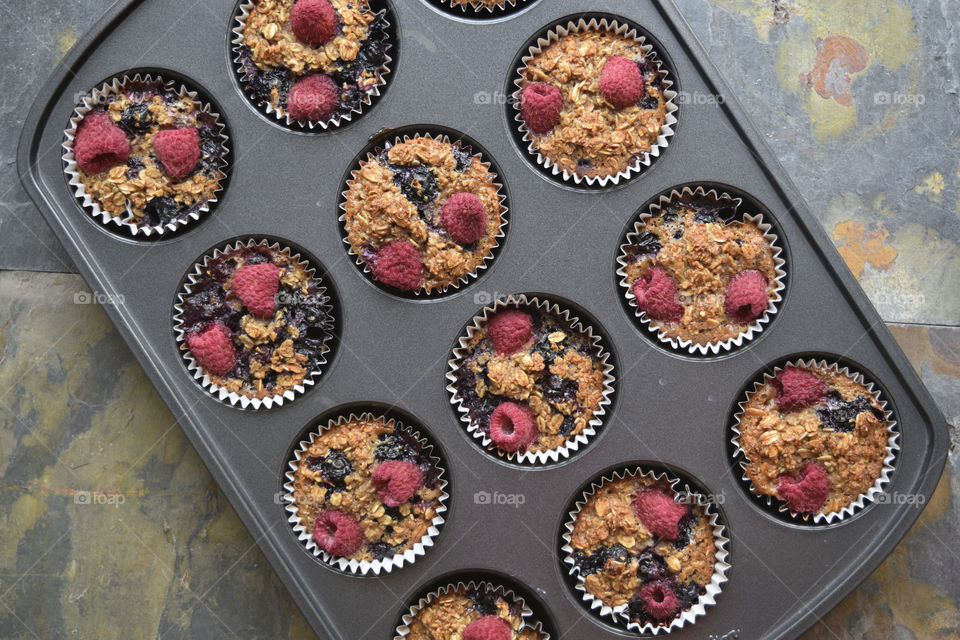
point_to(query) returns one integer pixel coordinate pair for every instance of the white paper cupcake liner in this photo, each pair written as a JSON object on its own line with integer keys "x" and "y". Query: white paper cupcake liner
{"x": 645, "y": 159}
{"x": 893, "y": 446}
{"x": 219, "y": 392}
{"x": 403, "y": 630}
{"x": 619, "y": 614}
{"x": 754, "y": 328}
{"x": 498, "y": 238}
{"x": 375, "y": 567}
{"x": 128, "y": 222}
{"x": 492, "y": 10}
{"x": 240, "y": 19}
{"x": 574, "y": 443}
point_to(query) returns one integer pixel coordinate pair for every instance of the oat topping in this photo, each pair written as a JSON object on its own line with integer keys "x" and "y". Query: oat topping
{"x": 618, "y": 556}
{"x": 558, "y": 375}
{"x": 846, "y": 432}
{"x": 595, "y": 139}
{"x": 699, "y": 242}
{"x": 274, "y": 353}
{"x": 335, "y": 474}
{"x": 272, "y": 58}
{"x": 449, "y": 613}
{"x": 139, "y": 191}
{"x": 397, "y": 195}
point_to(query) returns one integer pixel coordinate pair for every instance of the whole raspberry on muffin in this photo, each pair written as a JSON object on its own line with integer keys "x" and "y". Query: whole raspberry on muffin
{"x": 464, "y": 217}
{"x": 337, "y": 533}
{"x": 746, "y": 296}
{"x": 798, "y": 389}
{"x": 488, "y": 628}
{"x": 659, "y": 600}
{"x": 659, "y": 513}
{"x": 178, "y": 151}
{"x": 314, "y": 21}
{"x": 256, "y": 286}
{"x": 540, "y": 106}
{"x": 510, "y": 330}
{"x": 807, "y": 491}
{"x": 213, "y": 348}
{"x": 399, "y": 265}
{"x": 100, "y": 144}
{"x": 512, "y": 427}
{"x": 396, "y": 481}
{"x": 621, "y": 82}
{"x": 656, "y": 293}
{"x": 313, "y": 98}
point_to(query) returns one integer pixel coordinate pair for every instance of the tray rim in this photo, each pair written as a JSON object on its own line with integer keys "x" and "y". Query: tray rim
{"x": 792, "y": 626}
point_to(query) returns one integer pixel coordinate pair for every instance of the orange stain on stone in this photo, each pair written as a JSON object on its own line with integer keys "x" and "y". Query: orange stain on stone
{"x": 860, "y": 247}
{"x": 838, "y": 57}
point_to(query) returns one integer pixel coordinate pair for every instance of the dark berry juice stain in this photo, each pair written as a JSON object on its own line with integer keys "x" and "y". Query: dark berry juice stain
{"x": 485, "y": 601}
{"x": 646, "y": 245}
{"x": 403, "y": 446}
{"x": 841, "y": 415}
{"x": 210, "y": 303}
{"x": 351, "y": 76}
{"x": 335, "y": 468}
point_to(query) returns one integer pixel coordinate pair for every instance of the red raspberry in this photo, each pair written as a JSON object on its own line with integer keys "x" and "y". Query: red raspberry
{"x": 399, "y": 265}
{"x": 313, "y": 98}
{"x": 510, "y": 330}
{"x": 746, "y": 297}
{"x": 657, "y": 295}
{"x": 396, "y": 481}
{"x": 807, "y": 491}
{"x": 798, "y": 389}
{"x": 178, "y": 151}
{"x": 540, "y": 106}
{"x": 314, "y": 21}
{"x": 213, "y": 349}
{"x": 100, "y": 144}
{"x": 621, "y": 82}
{"x": 659, "y": 513}
{"x": 256, "y": 285}
{"x": 513, "y": 427}
{"x": 488, "y": 628}
{"x": 464, "y": 217}
{"x": 337, "y": 533}
{"x": 659, "y": 600}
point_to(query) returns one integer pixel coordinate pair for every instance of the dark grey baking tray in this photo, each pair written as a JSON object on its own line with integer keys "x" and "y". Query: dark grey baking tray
{"x": 392, "y": 352}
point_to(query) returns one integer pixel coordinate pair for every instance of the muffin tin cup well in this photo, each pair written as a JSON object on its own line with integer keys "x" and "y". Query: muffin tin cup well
{"x": 219, "y": 392}
{"x": 280, "y": 115}
{"x": 422, "y": 293}
{"x": 403, "y": 630}
{"x": 127, "y": 223}
{"x": 375, "y": 567}
{"x": 688, "y": 346}
{"x": 593, "y": 425}
{"x": 893, "y": 447}
{"x": 642, "y": 160}
{"x": 619, "y": 614}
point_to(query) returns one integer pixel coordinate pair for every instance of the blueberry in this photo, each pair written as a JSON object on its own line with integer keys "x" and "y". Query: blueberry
{"x": 648, "y": 244}
{"x": 137, "y": 118}
{"x": 559, "y": 389}
{"x": 685, "y": 528}
{"x": 336, "y": 466}
{"x": 842, "y": 416}
{"x": 418, "y": 184}
{"x": 314, "y": 463}
{"x": 266, "y": 81}
{"x": 160, "y": 211}
{"x": 567, "y": 426}
{"x": 649, "y": 102}
{"x": 650, "y": 565}
{"x": 618, "y": 553}
{"x": 392, "y": 447}
{"x": 463, "y": 156}
{"x": 544, "y": 348}
{"x": 380, "y": 549}
{"x": 584, "y": 163}
{"x": 484, "y": 602}
{"x": 688, "y": 593}
{"x": 134, "y": 167}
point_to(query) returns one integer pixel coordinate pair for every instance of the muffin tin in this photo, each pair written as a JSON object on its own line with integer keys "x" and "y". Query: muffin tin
{"x": 670, "y": 410}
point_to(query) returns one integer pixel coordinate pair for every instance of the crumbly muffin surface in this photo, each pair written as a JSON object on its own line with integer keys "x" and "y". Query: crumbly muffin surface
{"x": 449, "y": 614}
{"x": 139, "y": 191}
{"x": 274, "y": 354}
{"x": 697, "y": 240}
{"x": 846, "y": 432}
{"x": 618, "y": 555}
{"x": 397, "y": 195}
{"x": 594, "y": 139}
{"x": 558, "y": 375}
{"x": 335, "y": 474}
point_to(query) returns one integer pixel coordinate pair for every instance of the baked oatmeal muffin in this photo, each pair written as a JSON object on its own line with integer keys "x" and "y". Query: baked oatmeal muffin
{"x": 255, "y": 320}
{"x": 637, "y": 542}
{"x": 423, "y": 214}
{"x": 698, "y": 271}
{"x": 477, "y": 5}
{"x": 529, "y": 379}
{"x": 148, "y": 154}
{"x": 814, "y": 438}
{"x": 472, "y": 612}
{"x": 366, "y": 489}
{"x": 593, "y": 102}
{"x": 312, "y": 61}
